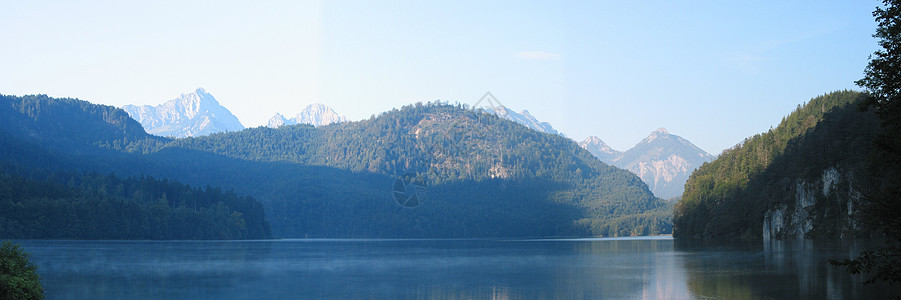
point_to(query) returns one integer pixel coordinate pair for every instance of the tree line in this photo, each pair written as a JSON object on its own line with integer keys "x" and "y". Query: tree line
{"x": 37, "y": 204}
{"x": 727, "y": 198}
{"x": 488, "y": 176}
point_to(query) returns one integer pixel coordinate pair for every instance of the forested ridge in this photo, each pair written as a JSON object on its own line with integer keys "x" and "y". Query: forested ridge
{"x": 488, "y": 176}
{"x": 727, "y": 198}
{"x": 50, "y": 188}
{"x": 488, "y": 160}
{"x": 73, "y": 125}
{"x": 59, "y": 205}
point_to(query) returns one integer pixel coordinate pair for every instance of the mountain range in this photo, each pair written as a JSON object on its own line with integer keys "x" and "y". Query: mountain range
{"x": 315, "y": 114}
{"x": 52, "y": 154}
{"x": 198, "y": 113}
{"x": 327, "y": 181}
{"x": 807, "y": 178}
{"x": 664, "y": 161}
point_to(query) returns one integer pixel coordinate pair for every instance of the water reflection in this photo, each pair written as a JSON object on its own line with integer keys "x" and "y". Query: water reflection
{"x": 648, "y": 268}
{"x": 631, "y": 268}
{"x": 795, "y": 269}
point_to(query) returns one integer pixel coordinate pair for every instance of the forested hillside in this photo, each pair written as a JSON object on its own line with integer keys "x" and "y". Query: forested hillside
{"x": 505, "y": 177}
{"x": 72, "y": 125}
{"x": 797, "y": 180}
{"x": 48, "y": 144}
{"x": 57, "y": 205}
{"x": 487, "y": 176}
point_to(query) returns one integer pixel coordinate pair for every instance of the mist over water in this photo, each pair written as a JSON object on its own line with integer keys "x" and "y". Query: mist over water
{"x": 649, "y": 268}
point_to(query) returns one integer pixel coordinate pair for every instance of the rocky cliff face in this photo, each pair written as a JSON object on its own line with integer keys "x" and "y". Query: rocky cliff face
{"x": 662, "y": 160}
{"x": 824, "y": 206}
{"x": 803, "y": 179}
{"x": 191, "y": 114}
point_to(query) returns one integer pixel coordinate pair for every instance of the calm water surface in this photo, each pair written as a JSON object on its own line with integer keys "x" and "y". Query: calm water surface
{"x": 630, "y": 268}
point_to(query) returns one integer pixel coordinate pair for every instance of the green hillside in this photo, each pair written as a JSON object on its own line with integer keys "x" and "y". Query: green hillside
{"x": 487, "y": 176}
{"x": 825, "y": 142}
{"x": 506, "y": 178}
{"x": 57, "y": 205}
{"x": 48, "y": 144}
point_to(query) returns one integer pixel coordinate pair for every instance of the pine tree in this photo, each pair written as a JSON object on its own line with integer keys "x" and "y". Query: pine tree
{"x": 18, "y": 276}
{"x": 882, "y": 81}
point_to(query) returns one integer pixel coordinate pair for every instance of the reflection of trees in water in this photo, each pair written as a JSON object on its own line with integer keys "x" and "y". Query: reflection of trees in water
{"x": 707, "y": 270}
{"x": 643, "y": 267}
{"x": 772, "y": 269}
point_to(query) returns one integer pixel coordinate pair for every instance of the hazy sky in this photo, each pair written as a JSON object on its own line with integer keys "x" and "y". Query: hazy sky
{"x": 714, "y": 72}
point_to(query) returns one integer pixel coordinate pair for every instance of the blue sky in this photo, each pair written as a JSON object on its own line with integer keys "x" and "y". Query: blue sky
{"x": 714, "y": 72}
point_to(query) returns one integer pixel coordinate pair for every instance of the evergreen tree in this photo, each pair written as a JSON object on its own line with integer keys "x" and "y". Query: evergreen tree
{"x": 728, "y": 198}
{"x": 883, "y": 206}
{"x": 883, "y": 82}
{"x": 18, "y": 276}
{"x": 488, "y": 177}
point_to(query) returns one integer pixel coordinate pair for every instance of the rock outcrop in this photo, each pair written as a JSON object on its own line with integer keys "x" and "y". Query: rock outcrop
{"x": 825, "y": 205}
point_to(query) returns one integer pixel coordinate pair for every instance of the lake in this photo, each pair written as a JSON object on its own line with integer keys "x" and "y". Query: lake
{"x": 612, "y": 268}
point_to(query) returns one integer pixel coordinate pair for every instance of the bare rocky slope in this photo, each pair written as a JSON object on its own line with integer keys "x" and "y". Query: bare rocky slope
{"x": 662, "y": 160}
{"x": 191, "y": 114}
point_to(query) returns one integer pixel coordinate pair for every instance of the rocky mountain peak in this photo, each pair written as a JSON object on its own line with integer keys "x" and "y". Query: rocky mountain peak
{"x": 277, "y": 121}
{"x": 191, "y": 114}
{"x": 663, "y": 160}
{"x": 656, "y": 134}
{"x": 524, "y": 118}
{"x": 661, "y": 131}
{"x": 316, "y": 114}
{"x": 597, "y": 147}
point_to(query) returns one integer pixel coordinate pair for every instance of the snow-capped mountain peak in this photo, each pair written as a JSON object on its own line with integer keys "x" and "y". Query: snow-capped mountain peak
{"x": 191, "y": 114}
{"x": 316, "y": 114}
{"x": 277, "y": 121}
{"x": 193, "y": 104}
{"x": 524, "y": 118}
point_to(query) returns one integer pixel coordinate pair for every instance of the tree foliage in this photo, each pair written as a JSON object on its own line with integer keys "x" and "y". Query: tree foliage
{"x": 489, "y": 176}
{"x": 18, "y": 276}
{"x": 882, "y": 78}
{"x": 883, "y": 82}
{"x": 880, "y": 264}
{"x": 489, "y": 162}
{"x": 50, "y": 188}
{"x": 882, "y": 209}
{"x": 728, "y": 197}
{"x": 59, "y": 205}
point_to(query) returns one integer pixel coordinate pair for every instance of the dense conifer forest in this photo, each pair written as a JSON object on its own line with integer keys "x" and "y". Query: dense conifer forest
{"x": 487, "y": 176}
{"x": 728, "y": 197}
